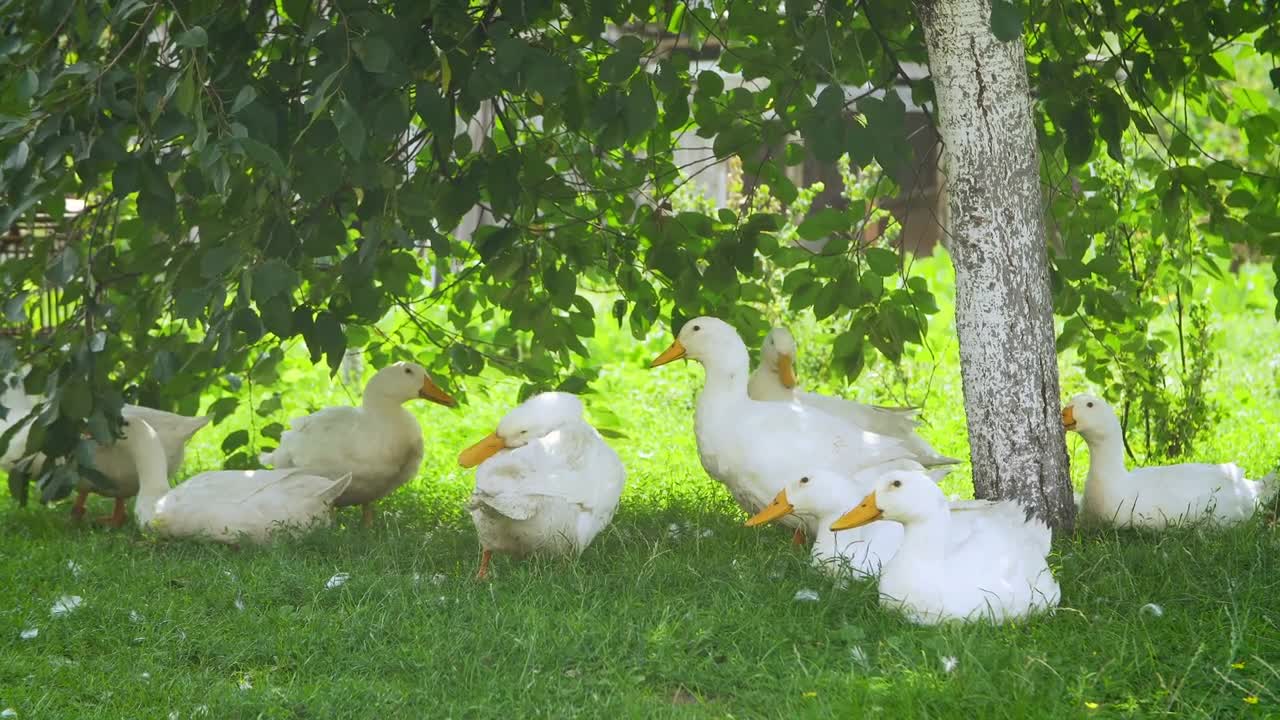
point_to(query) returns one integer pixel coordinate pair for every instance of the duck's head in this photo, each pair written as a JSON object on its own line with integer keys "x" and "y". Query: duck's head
{"x": 403, "y": 382}
{"x": 1090, "y": 416}
{"x": 901, "y": 495}
{"x": 535, "y": 418}
{"x": 816, "y": 494}
{"x": 703, "y": 339}
{"x": 779, "y": 353}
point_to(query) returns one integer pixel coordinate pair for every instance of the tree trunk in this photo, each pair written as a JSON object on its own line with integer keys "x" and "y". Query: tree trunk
{"x": 1004, "y": 312}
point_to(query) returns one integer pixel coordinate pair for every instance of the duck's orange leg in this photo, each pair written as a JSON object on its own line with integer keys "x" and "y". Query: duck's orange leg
{"x": 77, "y": 508}
{"x": 483, "y": 572}
{"x": 117, "y": 517}
{"x": 798, "y": 538}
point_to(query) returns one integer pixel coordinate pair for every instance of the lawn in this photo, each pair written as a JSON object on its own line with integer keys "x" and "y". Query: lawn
{"x": 676, "y": 610}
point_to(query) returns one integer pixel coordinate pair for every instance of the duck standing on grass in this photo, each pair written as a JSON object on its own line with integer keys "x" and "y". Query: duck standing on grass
{"x": 112, "y": 461}
{"x": 224, "y": 505}
{"x": 546, "y": 482}
{"x": 379, "y": 444}
{"x": 755, "y": 447}
{"x": 1155, "y": 497}
{"x": 774, "y": 380}
{"x": 967, "y": 560}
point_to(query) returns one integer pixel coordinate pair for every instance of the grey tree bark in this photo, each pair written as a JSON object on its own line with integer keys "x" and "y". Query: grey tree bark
{"x": 1004, "y": 312}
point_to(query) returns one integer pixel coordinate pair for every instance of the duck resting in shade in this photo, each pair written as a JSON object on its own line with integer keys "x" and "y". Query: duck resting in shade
{"x": 113, "y": 462}
{"x": 546, "y": 481}
{"x": 822, "y": 497}
{"x": 226, "y": 505}
{"x": 379, "y": 444}
{"x": 755, "y": 447}
{"x": 969, "y": 560}
{"x": 774, "y": 380}
{"x": 1159, "y": 496}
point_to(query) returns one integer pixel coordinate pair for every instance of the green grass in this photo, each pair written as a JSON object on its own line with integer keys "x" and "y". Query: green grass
{"x": 675, "y": 611}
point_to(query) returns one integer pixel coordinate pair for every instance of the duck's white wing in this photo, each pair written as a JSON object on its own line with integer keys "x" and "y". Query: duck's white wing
{"x": 226, "y": 504}
{"x": 328, "y": 441}
{"x": 899, "y": 423}
{"x": 1189, "y": 491}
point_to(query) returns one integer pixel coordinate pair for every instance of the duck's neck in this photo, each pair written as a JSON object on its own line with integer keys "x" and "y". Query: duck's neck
{"x": 380, "y": 403}
{"x": 143, "y": 445}
{"x": 572, "y": 439}
{"x": 727, "y": 375}
{"x": 924, "y": 539}
{"x": 1106, "y": 459}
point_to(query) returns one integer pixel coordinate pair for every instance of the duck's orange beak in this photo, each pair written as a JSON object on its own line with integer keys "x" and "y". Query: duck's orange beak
{"x": 431, "y": 391}
{"x": 786, "y": 371}
{"x": 1069, "y": 417}
{"x": 481, "y": 451}
{"x": 780, "y": 507}
{"x": 866, "y": 512}
{"x": 675, "y": 352}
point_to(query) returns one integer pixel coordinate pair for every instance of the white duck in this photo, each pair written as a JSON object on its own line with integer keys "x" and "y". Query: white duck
{"x": 379, "y": 443}
{"x": 755, "y": 447}
{"x": 1155, "y": 497}
{"x": 547, "y": 481}
{"x": 968, "y": 560}
{"x": 822, "y": 497}
{"x": 112, "y": 461}
{"x": 774, "y": 380}
{"x": 225, "y": 505}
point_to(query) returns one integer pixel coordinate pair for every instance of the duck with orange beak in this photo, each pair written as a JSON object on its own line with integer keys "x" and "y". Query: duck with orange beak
{"x": 774, "y": 380}
{"x": 966, "y": 560}
{"x": 379, "y": 444}
{"x": 546, "y": 482}
{"x": 756, "y": 447}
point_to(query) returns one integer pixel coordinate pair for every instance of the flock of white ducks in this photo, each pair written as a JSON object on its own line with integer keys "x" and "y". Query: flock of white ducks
{"x": 858, "y": 480}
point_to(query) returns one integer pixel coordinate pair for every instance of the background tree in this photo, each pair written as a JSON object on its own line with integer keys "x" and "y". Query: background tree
{"x": 262, "y": 173}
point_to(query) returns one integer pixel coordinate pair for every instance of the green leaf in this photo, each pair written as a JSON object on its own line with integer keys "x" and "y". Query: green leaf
{"x": 882, "y": 261}
{"x": 822, "y": 223}
{"x": 217, "y": 260}
{"x": 710, "y": 84}
{"x": 641, "y": 108}
{"x": 246, "y": 95}
{"x": 1007, "y": 19}
{"x": 326, "y": 336}
{"x": 1078, "y": 126}
{"x": 277, "y": 316}
{"x": 235, "y": 439}
{"x": 272, "y": 278}
{"x": 196, "y": 37}
{"x": 246, "y": 321}
{"x": 350, "y": 129}
{"x": 374, "y": 53}
{"x": 435, "y": 111}
{"x": 75, "y": 399}
{"x": 620, "y": 66}
{"x": 28, "y": 84}
{"x": 263, "y": 154}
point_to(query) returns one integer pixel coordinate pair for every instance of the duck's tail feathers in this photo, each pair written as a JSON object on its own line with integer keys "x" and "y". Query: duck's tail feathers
{"x": 273, "y": 458}
{"x": 195, "y": 424}
{"x": 330, "y": 494}
{"x": 1270, "y": 488}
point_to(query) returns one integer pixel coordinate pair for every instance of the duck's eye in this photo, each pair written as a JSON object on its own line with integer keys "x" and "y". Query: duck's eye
{"x": 1089, "y": 404}
{"x": 408, "y": 370}
{"x": 804, "y": 481}
{"x": 897, "y": 483}
{"x": 696, "y": 328}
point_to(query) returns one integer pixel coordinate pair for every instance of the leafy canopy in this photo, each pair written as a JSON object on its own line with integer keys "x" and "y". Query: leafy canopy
{"x": 262, "y": 173}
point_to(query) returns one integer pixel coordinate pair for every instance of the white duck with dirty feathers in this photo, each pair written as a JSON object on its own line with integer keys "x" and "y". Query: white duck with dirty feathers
{"x": 969, "y": 560}
{"x": 755, "y": 447}
{"x": 379, "y": 444}
{"x": 1157, "y": 496}
{"x": 225, "y": 505}
{"x": 546, "y": 481}
{"x": 774, "y": 380}
{"x": 112, "y": 461}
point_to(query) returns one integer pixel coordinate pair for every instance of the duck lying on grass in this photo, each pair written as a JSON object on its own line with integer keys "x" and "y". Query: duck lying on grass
{"x": 968, "y": 560}
{"x": 224, "y": 505}
{"x": 546, "y": 482}
{"x": 1158, "y": 496}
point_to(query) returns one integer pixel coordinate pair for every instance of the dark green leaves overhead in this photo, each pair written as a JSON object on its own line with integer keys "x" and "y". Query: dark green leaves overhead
{"x": 1007, "y": 17}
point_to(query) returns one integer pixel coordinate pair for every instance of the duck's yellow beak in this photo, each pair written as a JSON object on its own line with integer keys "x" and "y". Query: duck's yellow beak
{"x": 866, "y": 512}
{"x": 774, "y": 510}
{"x": 431, "y": 391}
{"x": 675, "y": 352}
{"x": 1069, "y": 417}
{"x": 786, "y": 372}
{"x": 481, "y": 451}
